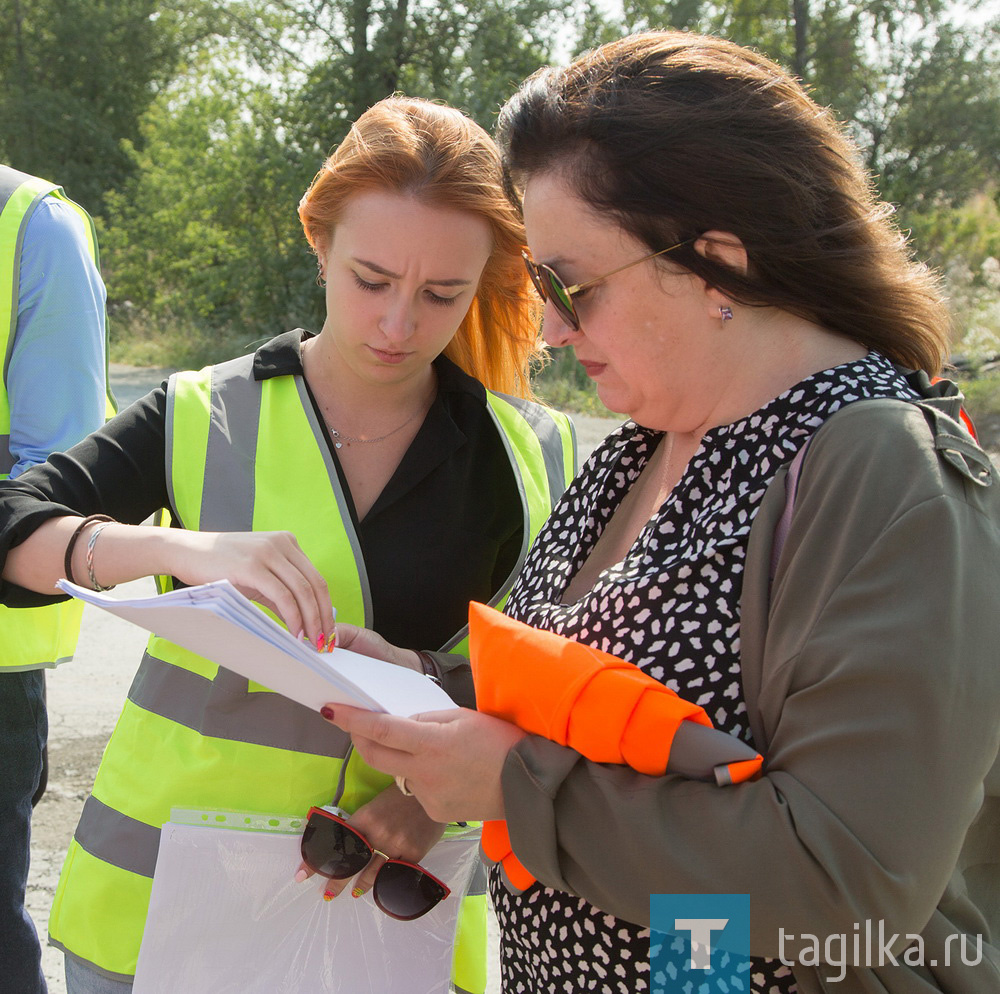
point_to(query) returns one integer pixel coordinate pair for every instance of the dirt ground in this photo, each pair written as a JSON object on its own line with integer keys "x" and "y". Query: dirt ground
{"x": 85, "y": 697}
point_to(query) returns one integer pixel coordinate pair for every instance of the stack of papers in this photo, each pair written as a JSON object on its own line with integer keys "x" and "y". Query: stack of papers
{"x": 216, "y": 621}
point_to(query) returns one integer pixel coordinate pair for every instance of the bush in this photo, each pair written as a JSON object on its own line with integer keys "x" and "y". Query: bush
{"x": 982, "y": 395}
{"x": 172, "y": 343}
{"x": 563, "y": 384}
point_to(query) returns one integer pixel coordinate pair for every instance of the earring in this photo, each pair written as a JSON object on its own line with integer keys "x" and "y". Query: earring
{"x": 726, "y": 313}
{"x": 320, "y": 275}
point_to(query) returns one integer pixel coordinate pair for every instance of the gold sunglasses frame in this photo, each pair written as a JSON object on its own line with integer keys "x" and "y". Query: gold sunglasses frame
{"x": 534, "y": 268}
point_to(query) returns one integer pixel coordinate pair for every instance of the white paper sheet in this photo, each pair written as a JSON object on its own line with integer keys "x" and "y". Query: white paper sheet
{"x": 216, "y": 621}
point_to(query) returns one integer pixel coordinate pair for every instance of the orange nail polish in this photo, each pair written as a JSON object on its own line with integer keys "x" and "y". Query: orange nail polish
{"x": 320, "y": 642}
{"x": 357, "y": 892}
{"x": 329, "y": 895}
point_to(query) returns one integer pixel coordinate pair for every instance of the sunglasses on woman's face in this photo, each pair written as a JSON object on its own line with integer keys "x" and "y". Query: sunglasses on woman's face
{"x": 551, "y": 287}
{"x": 402, "y": 890}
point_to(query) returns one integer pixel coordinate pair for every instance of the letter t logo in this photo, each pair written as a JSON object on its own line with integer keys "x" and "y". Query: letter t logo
{"x": 701, "y": 930}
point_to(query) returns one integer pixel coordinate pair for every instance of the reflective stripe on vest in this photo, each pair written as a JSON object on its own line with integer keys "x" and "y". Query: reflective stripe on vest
{"x": 225, "y": 475}
{"x": 30, "y": 638}
{"x": 193, "y": 735}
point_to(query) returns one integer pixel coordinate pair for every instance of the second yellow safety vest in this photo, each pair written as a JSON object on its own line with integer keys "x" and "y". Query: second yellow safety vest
{"x": 36, "y": 637}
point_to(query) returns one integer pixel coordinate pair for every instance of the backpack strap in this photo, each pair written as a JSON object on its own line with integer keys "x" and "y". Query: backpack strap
{"x": 962, "y": 413}
{"x": 785, "y": 521}
{"x": 964, "y": 454}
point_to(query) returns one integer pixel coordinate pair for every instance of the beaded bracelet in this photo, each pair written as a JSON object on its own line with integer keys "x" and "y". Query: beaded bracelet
{"x": 71, "y": 545}
{"x": 91, "y": 542}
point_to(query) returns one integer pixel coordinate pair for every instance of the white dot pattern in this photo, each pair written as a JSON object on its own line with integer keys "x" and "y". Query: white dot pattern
{"x": 671, "y": 607}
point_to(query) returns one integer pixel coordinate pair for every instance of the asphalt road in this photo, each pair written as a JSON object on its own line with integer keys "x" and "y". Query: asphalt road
{"x": 85, "y": 698}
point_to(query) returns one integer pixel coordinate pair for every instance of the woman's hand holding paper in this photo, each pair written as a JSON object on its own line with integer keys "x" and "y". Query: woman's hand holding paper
{"x": 365, "y": 642}
{"x": 451, "y": 760}
{"x": 267, "y": 567}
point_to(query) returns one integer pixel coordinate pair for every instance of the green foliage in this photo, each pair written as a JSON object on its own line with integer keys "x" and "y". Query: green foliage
{"x": 202, "y": 122}
{"x": 141, "y": 340}
{"x": 77, "y": 76}
{"x": 976, "y": 307}
{"x": 963, "y": 243}
{"x": 933, "y": 136}
{"x": 206, "y": 233}
{"x": 352, "y": 53}
{"x": 563, "y": 384}
{"x": 969, "y": 232}
{"x": 489, "y": 50}
{"x": 982, "y": 399}
{"x": 919, "y": 89}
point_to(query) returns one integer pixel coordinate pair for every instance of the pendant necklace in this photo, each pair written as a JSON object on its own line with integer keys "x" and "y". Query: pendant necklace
{"x": 339, "y": 439}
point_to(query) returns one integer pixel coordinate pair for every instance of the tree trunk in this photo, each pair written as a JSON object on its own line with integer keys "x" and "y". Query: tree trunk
{"x": 800, "y": 17}
{"x": 395, "y": 54}
{"x": 361, "y": 60}
{"x": 29, "y": 159}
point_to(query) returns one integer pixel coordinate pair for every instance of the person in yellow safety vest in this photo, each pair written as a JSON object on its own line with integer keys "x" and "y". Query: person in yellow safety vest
{"x": 53, "y": 393}
{"x": 393, "y": 465}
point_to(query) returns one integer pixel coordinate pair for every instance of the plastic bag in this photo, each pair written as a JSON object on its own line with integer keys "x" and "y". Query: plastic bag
{"x": 226, "y": 915}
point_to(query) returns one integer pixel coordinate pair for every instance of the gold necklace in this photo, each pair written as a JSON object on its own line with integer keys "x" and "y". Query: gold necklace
{"x": 339, "y": 438}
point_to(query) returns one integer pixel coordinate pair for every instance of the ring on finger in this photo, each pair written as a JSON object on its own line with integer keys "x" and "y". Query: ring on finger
{"x": 403, "y": 789}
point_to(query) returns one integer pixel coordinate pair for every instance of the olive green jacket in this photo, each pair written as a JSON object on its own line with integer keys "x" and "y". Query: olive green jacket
{"x": 871, "y": 673}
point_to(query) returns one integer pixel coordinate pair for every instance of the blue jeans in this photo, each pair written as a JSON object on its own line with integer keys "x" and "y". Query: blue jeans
{"x": 83, "y": 979}
{"x": 23, "y": 729}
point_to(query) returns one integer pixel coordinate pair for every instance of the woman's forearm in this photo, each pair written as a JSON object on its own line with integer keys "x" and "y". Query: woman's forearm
{"x": 267, "y": 567}
{"x": 121, "y": 553}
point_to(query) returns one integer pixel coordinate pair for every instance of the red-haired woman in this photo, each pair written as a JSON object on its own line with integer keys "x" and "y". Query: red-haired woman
{"x": 393, "y": 464}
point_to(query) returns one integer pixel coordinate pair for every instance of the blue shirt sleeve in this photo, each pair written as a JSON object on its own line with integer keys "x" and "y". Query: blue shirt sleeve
{"x": 56, "y": 377}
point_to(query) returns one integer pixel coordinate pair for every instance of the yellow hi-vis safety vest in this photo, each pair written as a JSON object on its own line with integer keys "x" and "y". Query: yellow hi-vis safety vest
{"x": 251, "y": 455}
{"x": 35, "y": 637}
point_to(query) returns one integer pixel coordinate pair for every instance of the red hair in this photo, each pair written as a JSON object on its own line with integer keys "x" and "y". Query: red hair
{"x": 439, "y": 155}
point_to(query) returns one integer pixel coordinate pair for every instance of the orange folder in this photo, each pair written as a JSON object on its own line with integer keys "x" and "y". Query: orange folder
{"x": 606, "y": 709}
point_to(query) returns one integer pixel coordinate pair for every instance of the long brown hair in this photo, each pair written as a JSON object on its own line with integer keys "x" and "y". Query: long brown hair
{"x": 675, "y": 134}
{"x": 439, "y": 155}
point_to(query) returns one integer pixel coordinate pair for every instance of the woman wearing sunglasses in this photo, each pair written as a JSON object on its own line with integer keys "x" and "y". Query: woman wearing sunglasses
{"x": 392, "y": 464}
{"x": 708, "y": 245}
